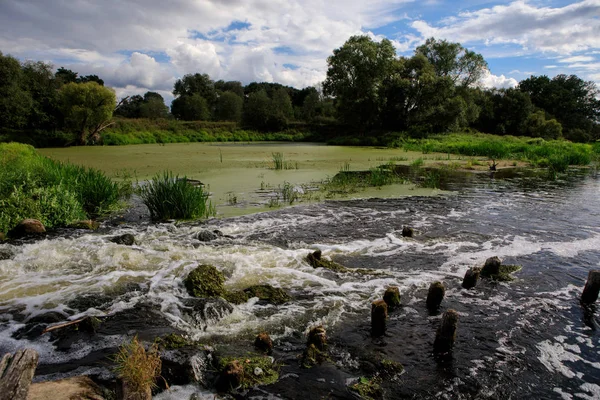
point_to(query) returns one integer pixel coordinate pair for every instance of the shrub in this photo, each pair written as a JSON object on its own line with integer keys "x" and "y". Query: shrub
{"x": 137, "y": 367}
{"x": 169, "y": 197}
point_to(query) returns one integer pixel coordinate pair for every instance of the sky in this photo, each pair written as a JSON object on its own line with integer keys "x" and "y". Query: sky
{"x": 141, "y": 45}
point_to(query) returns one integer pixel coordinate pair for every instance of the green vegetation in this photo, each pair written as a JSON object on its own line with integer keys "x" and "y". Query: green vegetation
{"x": 169, "y": 197}
{"x": 205, "y": 281}
{"x": 504, "y": 273}
{"x": 137, "y": 367}
{"x": 368, "y": 389}
{"x": 258, "y": 370}
{"x": 32, "y": 186}
{"x": 173, "y": 341}
{"x": 268, "y": 293}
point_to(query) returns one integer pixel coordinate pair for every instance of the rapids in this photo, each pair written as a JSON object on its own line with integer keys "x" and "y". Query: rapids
{"x": 527, "y": 338}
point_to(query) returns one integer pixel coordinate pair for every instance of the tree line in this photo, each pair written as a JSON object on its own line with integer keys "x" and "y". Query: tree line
{"x": 368, "y": 91}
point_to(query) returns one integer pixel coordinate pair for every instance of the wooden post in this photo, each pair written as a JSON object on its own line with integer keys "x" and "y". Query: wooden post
{"x": 392, "y": 297}
{"x": 16, "y": 373}
{"x": 471, "y": 278}
{"x": 491, "y": 267}
{"x": 379, "y": 313}
{"x": 317, "y": 336}
{"x": 435, "y": 295}
{"x": 592, "y": 287}
{"x": 264, "y": 343}
{"x": 408, "y": 231}
{"x": 446, "y": 333}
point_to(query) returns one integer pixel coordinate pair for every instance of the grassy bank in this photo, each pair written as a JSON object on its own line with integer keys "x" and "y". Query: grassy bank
{"x": 33, "y": 186}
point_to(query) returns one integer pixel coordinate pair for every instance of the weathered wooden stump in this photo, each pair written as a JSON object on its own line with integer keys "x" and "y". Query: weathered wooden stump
{"x": 446, "y": 333}
{"x": 318, "y": 337}
{"x": 408, "y": 231}
{"x": 392, "y": 297}
{"x": 435, "y": 296}
{"x": 16, "y": 373}
{"x": 592, "y": 287}
{"x": 491, "y": 267}
{"x": 471, "y": 278}
{"x": 232, "y": 376}
{"x": 379, "y": 313}
{"x": 264, "y": 343}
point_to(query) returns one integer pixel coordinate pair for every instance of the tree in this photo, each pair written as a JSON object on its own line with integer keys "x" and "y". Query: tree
{"x": 310, "y": 107}
{"x": 65, "y": 76}
{"x": 229, "y": 107}
{"x": 230, "y": 86}
{"x": 200, "y": 84}
{"x": 190, "y": 108}
{"x": 154, "y": 108}
{"x": 15, "y": 101}
{"x": 40, "y": 83}
{"x": 282, "y": 104}
{"x": 462, "y": 66}
{"x": 87, "y": 109}
{"x": 130, "y": 107}
{"x": 571, "y": 100}
{"x": 91, "y": 78}
{"x": 257, "y": 110}
{"x": 355, "y": 77}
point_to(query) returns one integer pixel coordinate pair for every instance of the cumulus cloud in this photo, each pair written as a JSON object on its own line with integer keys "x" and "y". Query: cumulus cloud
{"x": 562, "y": 30}
{"x": 490, "y": 81}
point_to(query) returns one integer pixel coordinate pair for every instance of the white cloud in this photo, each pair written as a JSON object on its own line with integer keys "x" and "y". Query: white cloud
{"x": 490, "y": 80}
{"x": 576, "y": 59}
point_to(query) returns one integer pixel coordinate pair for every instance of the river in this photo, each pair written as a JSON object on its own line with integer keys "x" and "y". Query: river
{"x": 529, "y": 338}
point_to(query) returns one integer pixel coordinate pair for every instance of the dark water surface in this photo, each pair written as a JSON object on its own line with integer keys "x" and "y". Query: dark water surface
{"x": 529, "y": 338}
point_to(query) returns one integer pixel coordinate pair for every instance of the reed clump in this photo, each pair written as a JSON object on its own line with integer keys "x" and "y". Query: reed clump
{"x": 137, "y": 367}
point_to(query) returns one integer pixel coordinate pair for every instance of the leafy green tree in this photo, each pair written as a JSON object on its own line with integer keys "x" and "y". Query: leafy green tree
{"x": 130, "y": 107}
{"x": 539, "y": 126}
{"x": 199, "y": 84}
{"x": 230, "y": 86}
{"x": 87, "y": 109}
{"x": 571, "y": 100}
{"x": 191, "y": 108}
{"x": 91, "y": 78}
{"x": 462, "y": 66}
{"x": 229, "y": 107}
{"x": 65, "y": 76}
{"x": 154, "y": 108}
{"x": 40, "y": 83}
{"x": 282, "y": 104}
{"x": 311, "y": 105}
{"x": 355, "y": 77}
{"x": 257, "y": 110}
{"x": 15, "y": 101}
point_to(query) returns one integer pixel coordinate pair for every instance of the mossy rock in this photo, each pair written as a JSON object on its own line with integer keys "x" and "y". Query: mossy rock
{"x": 389, "y": 368}
{"x": 313, "y": 356}
{"x": 504, "y": 273}
{"x": 2, "y": 236}
{"x": 268, "y": 293}
{"x": 236, "y": 297}
{"x": 205, "y": 281}
{"x": 258, "y": 369}
{"x": 85, "y": 224}
{"x": 173, "y": 341}
{"x": 316, "y": 261}
{"x": 368, "y": 389}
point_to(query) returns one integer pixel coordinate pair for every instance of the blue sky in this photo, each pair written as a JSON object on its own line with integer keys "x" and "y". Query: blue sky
{"x": 140, "y": 45}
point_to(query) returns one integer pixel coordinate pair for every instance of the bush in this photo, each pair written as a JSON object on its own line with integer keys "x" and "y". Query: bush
{"x": 170, "y": 197}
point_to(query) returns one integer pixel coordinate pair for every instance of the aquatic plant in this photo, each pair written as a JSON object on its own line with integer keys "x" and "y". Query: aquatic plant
{"x": 137, "y": 367}
{"x": 368, "y": 389}
{"x": 431, "y": 179}
{"x": 169, "y": 197}
{"x": 418, "y": 163}
{"x": 205, "y": 281}
{"x": 277, "y": 160}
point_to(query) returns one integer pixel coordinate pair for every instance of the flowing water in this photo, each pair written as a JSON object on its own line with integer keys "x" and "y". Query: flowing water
{"x": 523, "y": 339}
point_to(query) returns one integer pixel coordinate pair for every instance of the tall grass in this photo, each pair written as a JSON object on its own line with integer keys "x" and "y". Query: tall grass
{"x": 169, "y": 197}
{"x": 137, "y": 367}
{"x": 280, "y": 163}
{"x": 32, "y": 186}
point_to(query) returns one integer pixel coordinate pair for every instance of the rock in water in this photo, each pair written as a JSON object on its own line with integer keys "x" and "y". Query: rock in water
{"x": 264, "y": 343}
{"x": 27, "y": 227}
{"x": 446, "y": 333}
{"x": 408, "y": 231}
{"x": 268, "y": 293}
{"x": 471, "y": 278}
{"x": 127, "y": 239}
{"x": 592, "y": 288}
{"x": 6, "y": 254}
{"x": 392, "y": 297}
{"x": 206, "y": 236}
{"x": 77, "y": 387}
{"x": 205, "y": 281}
{"x": 435, "y": 295}
{"x": 491, "y": 267}
{"x": 379, "y": 313}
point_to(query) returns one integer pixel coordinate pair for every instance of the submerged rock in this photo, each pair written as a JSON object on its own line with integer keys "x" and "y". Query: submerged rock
{"x": 435, "y": 296}
{"x": 268, "y": 293}
{"x": 85, "y": 224}
{"x": 6, "y": 254}
{"x": 236, "y": 297}
{"x": 392, "y": 297}
{"x": 27, "y": 227}
{"x": 206, "y": 236}
{"x": 77, "y": 387}
{"x": 203, "y": 312}
{"x": 316, "y": 261}
{"x": 185, "y": 365}
{"x": 471, "y": 278}
{"x": 127, "y": 239}
{"x": 205, "y": 281}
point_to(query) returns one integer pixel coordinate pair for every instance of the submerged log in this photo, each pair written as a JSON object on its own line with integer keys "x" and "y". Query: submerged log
{"x": 592, "y": 288}
{"x": 435, "y": 296}
{"x": 471, "y": 278}
{"x": 392, "y": 297}
{"x": 379, "y": 313}
{"x": 446, "y": 333}
{"x": 16, "y": 373}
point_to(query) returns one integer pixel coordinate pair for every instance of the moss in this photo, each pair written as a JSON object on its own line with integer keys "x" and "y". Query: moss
{"x": 368, "y": 389}
{"x": 268, "y": 293}
{"x": 85, "y": 224}
{"x": 173, "y": 341}
{"x": 236, "y": 297}
{"x": 313, "y": 356}
{"x": 390, "y": 368}
{"x": 258, "y": 370}
{"x": 316, "y": 261}
{"x": 505, "y": 273}
{"x": 205, "y": 281}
